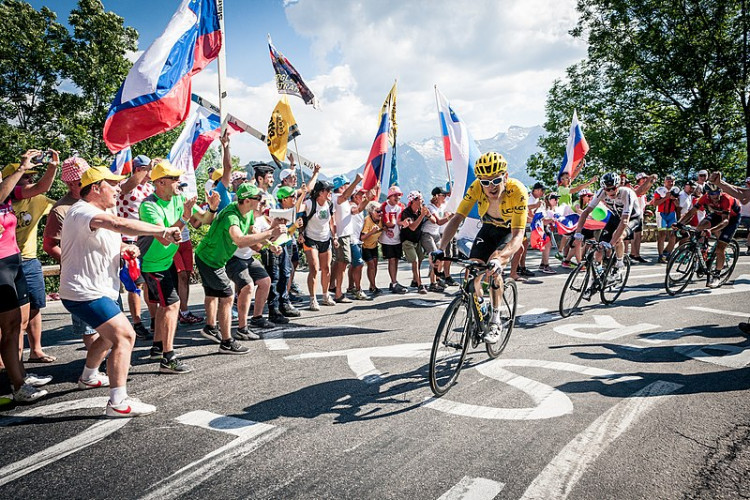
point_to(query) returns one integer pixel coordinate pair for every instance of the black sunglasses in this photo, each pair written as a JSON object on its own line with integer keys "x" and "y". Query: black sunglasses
{"x": 610, "y": 188}
{"x": 491, "y": 182}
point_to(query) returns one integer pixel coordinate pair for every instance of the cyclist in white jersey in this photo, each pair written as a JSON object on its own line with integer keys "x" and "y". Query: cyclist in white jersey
{"x": 626, "y": 214}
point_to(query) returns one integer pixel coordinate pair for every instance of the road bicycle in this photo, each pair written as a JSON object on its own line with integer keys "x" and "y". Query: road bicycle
{"x": 590, "y": 277}
{"x": 466, "y": 321}
{"x": 694, "y": 257}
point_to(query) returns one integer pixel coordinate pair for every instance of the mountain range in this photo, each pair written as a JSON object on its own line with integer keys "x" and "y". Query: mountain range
{"x": 421, "y": 164}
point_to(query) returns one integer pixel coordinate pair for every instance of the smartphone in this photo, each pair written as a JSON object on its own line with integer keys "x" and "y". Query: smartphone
{"x": 45, "y": 157}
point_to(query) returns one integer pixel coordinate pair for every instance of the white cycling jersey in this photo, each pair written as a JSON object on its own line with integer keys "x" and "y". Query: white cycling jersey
{"x": 624, "y": 202}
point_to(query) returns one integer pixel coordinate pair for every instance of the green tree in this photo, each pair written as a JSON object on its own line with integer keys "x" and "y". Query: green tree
{"x": 664, "y": 88}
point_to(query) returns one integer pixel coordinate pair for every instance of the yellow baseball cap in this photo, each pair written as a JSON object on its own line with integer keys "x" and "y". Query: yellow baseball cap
{"x": 11, "y": 168}
{"x": 164, "y": 169}
{"x": 216, "y": 174}
{"x": 96, "y": 174}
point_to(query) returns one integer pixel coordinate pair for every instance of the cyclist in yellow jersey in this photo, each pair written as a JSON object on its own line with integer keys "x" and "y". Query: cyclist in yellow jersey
{"x": 502, "y": 203}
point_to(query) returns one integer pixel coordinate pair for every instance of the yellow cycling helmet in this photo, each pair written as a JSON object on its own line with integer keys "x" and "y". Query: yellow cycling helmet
{"x": 490, "y": 165}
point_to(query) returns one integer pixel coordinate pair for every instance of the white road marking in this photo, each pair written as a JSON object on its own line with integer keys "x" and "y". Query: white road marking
{"x": 536, "y": 316}
{"x": 92, "y": 435}
{"x": 360, "y": 361}
{"x": 613, "y": 329}
{"x": 250, "y": 436}
{"x": 477, "y": 488}
{"x": 657, "y": 338}
{"x": 549, "y": 402}
{"x": 719, "y": 311}
{"x": 562, "y": 473}
{"x": 274, "y": 338}
{"x": 735, "y": 357}
{"x": 274, "y": 341}
{"x": 428, "y": 303}
{"x": 741, "y": 284}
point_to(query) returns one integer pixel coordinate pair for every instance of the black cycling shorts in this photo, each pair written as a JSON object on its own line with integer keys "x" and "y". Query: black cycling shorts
{"x": 14, "y": 292}
{"x": 728, "y": 232}
{"x": 489, "y": 239}
{"x": 613, "y": 223}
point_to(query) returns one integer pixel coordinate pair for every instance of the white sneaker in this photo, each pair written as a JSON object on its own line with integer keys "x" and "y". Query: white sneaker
{"x": 314, "y": 305}
{"x": 98, "y": 380}
{"x": 37, "y": 380}
{"x": 28, "y": 394}
{"x": 328, "y": 301}
{"x": 493, "y": 335}
{"x": 129, "y": 407}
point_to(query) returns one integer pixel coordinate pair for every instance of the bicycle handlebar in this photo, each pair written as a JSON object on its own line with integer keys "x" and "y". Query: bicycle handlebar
{"x": 465, "y": 262}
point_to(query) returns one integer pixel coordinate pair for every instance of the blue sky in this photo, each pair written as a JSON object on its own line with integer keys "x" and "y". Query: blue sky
{"x": 493, "y": 60}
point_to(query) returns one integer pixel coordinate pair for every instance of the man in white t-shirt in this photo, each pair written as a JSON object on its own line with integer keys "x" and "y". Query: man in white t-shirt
{"x": 431, "y": 229}
{"x": 89, "y": 283}
{"x": 343, "y": 189}
{"x": 390, "y": 237}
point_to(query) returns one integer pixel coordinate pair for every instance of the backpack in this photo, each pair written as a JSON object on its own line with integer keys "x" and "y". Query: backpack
{"x": 313, "y": 210}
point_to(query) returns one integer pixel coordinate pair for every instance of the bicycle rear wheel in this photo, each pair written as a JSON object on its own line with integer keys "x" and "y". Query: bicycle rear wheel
{"x": 450, "y": 345}
{"x": 575, "y": 285}
{"x": 614, "y": 280}
{"x": 507, "y": 318}
{"x": 680, "y": 269}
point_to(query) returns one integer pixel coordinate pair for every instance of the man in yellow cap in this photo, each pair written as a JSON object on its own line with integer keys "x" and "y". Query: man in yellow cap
{"x": 167, "y": 207}
{"x": 89, "y": 283}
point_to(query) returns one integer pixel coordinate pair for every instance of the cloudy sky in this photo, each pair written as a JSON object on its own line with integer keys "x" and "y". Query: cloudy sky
{"x": 493, "y": 59}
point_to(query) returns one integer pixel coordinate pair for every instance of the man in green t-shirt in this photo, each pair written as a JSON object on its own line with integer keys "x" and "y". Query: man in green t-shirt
{"x": 169, "y": 208}
{"x": 228, "y": 232}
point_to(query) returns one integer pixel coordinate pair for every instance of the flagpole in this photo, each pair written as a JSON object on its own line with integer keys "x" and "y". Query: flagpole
{"x": 300, "y": 179}
{"x": 437, "y": 105}
{"x": 222, "y": 67}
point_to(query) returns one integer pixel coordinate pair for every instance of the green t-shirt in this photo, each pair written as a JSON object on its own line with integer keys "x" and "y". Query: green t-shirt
{"x": 217, "y": 247}
{"x": 565, "y": 196}
{"x": 157, "y": 257}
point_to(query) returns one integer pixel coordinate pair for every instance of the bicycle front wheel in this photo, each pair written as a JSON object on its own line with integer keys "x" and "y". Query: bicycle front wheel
{"x": 450, "y": 345}
{"x": 731, "y": 255}
{"x": 507, "y": 306}
{"x": 680, "y": 269}
{"x": 575, "y": 285}
{"x": 614, "y": 280}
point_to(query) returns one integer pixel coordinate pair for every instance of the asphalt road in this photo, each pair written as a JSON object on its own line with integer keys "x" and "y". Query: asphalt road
{"x": 646, "y": 398}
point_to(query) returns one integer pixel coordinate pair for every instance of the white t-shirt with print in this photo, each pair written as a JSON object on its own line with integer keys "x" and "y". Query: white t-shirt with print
{"x": 318, "y": 227}
{"x": 429, "y": 226}
{"x": 391, "y": 235}
{"x": 358, "y": 222}
{"x": 90, "y": 261}
{"x": 128, "y": 204}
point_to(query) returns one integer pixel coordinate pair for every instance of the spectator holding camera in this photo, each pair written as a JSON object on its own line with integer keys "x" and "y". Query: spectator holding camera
{"x": 666, "y": 199}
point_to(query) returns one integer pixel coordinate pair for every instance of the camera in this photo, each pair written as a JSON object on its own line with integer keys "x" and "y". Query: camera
{"x": 45, "y": 157}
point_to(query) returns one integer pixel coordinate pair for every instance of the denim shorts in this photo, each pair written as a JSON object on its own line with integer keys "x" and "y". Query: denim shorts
{"x": 32, "y": 269}
{"x": 357, "y": 255}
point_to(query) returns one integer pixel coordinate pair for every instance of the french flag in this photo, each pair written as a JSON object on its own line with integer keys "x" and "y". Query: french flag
{"x": 575, "y": 150}
{"x": 376, "y": 160}
{"x": 123, "y": 162}
{"x": 155, "y": 96}
{"x": 539, "y": 237}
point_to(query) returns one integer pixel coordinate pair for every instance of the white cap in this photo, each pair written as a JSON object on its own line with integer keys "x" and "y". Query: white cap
{"x": 287, "y": 172}
{"x": 702, "y": 172}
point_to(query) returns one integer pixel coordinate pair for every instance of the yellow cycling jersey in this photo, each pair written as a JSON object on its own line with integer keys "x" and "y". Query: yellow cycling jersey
{"x": 514, "y": 204}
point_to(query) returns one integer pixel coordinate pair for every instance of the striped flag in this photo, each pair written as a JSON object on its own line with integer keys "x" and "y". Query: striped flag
{"x": 123, "y": 162}
{"x": 376, "y": 160}
{"x": 288, "y": 80}
{"x": 575, "y": 150}
{"x": 155, "y": 96}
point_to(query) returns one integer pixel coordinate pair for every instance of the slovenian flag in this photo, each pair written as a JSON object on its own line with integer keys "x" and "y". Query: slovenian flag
{"x": 123, "y": 162}
{"x": 201, "y": 130}
{"x": 376, "y": 160}
{"x": 566, "y": 224}
{"x": 539, "y": 237}
{"x": 575, "y": 150}
{"x": 155, "y": 96}
{"x": 461, "y": 150}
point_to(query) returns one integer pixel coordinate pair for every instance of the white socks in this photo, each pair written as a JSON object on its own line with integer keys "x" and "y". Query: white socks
{"x": 117, "y": 394}
{"x": 89, "y": 373}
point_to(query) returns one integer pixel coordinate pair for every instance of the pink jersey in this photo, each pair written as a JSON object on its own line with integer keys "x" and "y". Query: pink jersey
{"x": 8, "y": 221}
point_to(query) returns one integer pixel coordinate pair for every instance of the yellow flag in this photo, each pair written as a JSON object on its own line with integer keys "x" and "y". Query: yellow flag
{"x": 282, "y": 128}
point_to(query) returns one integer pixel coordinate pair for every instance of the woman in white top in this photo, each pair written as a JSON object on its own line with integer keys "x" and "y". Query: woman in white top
{"x": 319, "y": 227}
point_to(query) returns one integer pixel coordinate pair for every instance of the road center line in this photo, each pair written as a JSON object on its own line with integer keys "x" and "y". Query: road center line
{"x": 718, "y": 311}
{"x": 473, "y": 489}
{"x": 561, "y": 474}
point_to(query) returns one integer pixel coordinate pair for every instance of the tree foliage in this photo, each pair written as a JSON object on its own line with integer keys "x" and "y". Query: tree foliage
{"x": 664, "y": 89}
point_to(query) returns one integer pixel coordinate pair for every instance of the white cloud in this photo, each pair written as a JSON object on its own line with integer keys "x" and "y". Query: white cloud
{"x": 495, "y": 61}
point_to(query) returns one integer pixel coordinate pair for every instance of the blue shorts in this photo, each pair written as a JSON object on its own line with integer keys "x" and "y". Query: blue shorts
{"x": 32, "y": 269}
{"x": 357, "y": 255}
{"x": 667, "y": 219}
{"x": 93, "y": 312}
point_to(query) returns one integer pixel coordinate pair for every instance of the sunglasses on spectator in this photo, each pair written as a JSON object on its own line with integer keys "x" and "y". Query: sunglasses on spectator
{"x": 257, "y": 198}
{"x": 610, "y": 188}
{"x": 491, "y": 182}
{"x": 377, "y": 211}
